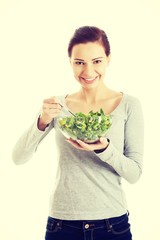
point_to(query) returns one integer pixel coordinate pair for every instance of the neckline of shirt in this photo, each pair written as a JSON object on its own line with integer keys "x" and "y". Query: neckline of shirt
{"x": 116, "y": 109}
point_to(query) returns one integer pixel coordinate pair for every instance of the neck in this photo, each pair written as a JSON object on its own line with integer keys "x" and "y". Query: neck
{"x": 91, "y": 96}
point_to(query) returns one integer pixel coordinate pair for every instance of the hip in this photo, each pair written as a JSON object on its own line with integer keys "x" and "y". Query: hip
{"x": 111, "y": 228}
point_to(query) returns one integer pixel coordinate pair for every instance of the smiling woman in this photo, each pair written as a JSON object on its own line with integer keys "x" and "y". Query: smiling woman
{"x": 91, "y": 68}
{"x": 88, "y": 200}
{"x": 90, "y": 49}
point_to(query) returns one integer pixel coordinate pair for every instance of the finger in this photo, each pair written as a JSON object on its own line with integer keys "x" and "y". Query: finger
{"x": 74, "y": 143}
{"x": 51, "y": 106}
{"x": 85, "y": 146}
{"x": 52, "y": 100}
{"x": 102, "y": 143}
{"x": 51, "y": 112}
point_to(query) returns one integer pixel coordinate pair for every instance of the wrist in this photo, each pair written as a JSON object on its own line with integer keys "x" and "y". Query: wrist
{"x": 41, "y": 124}
{"x": 103, "y": 149}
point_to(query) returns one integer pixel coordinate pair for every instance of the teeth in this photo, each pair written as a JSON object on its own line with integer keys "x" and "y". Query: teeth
{"x": 89, "y": 79}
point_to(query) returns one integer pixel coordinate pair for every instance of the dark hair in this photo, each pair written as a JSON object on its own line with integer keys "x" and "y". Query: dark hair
{"x": 89, "y": 34}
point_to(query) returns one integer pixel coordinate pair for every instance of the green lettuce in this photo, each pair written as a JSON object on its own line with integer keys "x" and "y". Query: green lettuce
{"x": 86, "y": 127}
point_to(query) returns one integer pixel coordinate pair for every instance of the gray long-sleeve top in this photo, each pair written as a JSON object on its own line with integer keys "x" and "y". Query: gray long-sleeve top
{"x": 88, "y": 184}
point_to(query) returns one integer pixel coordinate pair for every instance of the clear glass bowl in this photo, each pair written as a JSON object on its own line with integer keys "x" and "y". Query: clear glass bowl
{"x": 88, "y": 129}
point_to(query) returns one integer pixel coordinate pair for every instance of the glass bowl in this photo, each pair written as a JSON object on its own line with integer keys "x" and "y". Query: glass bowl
{"x": 88, "y": 129}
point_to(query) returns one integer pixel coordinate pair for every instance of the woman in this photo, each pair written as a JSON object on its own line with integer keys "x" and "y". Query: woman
{"x": 88, "y": 201}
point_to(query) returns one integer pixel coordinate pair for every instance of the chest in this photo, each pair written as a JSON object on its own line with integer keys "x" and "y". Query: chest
{"x": 108, "y": 105}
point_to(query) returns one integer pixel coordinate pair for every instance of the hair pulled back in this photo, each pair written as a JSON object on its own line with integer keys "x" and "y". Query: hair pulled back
{"x": 87, "y": 34}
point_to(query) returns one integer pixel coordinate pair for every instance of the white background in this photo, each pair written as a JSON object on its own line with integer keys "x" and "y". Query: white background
{"x": 34, "y": 65}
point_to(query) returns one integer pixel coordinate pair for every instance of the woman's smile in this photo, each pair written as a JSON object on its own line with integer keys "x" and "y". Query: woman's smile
{"x": 88, "y": 80}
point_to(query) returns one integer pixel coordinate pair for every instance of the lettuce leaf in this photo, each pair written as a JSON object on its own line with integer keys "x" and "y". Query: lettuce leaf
{"x": 86, "y": 127}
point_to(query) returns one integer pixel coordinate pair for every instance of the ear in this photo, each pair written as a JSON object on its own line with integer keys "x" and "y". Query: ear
{"x": 70, "y": 61}
{"x": 108, "y": 59}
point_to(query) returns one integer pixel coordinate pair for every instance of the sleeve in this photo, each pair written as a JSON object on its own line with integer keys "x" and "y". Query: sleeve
{"x": 129, "y": 164}
{"x": 28, "y": 143}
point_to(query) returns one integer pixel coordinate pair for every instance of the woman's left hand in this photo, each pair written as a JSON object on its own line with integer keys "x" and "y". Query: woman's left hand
{"x": 102, "y": 144}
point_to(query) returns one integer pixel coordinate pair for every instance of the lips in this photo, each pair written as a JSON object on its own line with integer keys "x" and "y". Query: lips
{"x": 89, "y": 80}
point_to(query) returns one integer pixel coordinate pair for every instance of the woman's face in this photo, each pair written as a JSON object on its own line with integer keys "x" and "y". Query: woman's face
{"x": 89, "y": 63}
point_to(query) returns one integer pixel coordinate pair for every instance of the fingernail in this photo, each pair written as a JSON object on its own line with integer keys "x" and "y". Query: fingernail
{"x": 102, "y": 139}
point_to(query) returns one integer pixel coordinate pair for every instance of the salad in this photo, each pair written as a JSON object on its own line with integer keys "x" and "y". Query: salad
{"x": 86, "y": 127}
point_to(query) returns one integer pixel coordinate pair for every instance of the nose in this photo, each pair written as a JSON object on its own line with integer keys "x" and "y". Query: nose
{"x": 88, "y": 71}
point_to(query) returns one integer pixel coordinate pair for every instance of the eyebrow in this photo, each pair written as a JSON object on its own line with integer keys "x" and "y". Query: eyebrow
{"x": 83, "y": 60}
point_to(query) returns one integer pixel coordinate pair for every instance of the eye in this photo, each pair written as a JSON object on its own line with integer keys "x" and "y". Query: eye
{"x": 79, "y": 63}
{"x": 97, "y": 61}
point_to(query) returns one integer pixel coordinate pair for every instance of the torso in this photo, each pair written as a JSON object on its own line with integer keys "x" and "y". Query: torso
{"x": 108, "y": 104}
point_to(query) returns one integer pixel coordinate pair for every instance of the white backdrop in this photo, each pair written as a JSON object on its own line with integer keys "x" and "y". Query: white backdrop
{"x": 34, "y": 65}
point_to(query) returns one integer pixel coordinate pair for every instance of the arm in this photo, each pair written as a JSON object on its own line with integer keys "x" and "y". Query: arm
{"x": 129, "y": 164}
{"x": 44, "y": 122}
{"x": 27, "y": 144}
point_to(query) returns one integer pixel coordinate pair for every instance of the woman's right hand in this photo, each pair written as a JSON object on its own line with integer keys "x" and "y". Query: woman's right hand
{"x": 50, "y": 109}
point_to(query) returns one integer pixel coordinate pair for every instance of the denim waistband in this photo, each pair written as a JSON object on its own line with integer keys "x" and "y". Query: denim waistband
{"x": 89, "y": 224}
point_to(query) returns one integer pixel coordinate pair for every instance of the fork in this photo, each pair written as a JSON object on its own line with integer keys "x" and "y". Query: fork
{"x": 67, "y": 109}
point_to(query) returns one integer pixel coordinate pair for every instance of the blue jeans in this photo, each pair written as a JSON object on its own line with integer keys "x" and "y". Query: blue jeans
{"x": 117, "y": 228}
